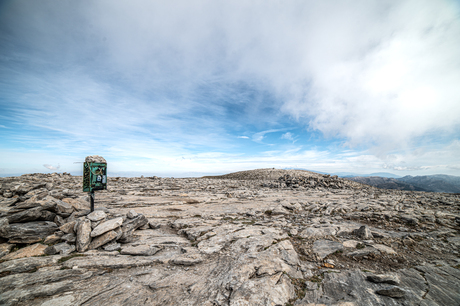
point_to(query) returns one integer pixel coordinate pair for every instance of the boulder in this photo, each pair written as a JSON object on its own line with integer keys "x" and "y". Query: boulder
{"x": 83, "y": 235}
{"x": 106, "y": 226}
{"x": 30, "y": 232}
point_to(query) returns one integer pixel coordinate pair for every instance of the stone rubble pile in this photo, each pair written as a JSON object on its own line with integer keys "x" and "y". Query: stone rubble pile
{"x": 38, "y": 213}
{"x": 326, "y": 181}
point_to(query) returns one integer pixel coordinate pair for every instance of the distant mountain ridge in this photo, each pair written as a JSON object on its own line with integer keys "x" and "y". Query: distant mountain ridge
{"x": 431, "y": 183}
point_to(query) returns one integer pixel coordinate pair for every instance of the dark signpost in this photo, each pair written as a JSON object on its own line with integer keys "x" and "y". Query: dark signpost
{"x": 94, "y": 176}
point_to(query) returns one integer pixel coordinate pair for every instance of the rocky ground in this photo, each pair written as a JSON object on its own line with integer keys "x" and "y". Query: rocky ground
{"x": 261, "y": 237}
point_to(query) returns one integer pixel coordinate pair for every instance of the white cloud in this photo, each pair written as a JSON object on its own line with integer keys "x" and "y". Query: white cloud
{"x": 243, "y": 137}
{"x": 51, "y": 167}
{"x": 287, "y": 136}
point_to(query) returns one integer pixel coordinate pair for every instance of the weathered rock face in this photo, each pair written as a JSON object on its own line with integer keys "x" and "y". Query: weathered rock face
{"x": 246, "y": 238}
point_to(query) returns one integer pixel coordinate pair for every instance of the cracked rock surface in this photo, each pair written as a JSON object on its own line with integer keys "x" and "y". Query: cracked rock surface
{"x": 260, "y": 237}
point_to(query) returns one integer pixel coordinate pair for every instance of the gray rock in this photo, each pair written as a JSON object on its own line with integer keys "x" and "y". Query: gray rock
{"x": 112, "y": 246}
{"x": 363, "y": 252}
{"x": 52, "y": 239}
{"x": 95, "y": 159}
{"x": 9, "y": 201}
{"x": 384, "y": 249}
{"x": 45, "y": 284}
{"x": 25, "y": 216}
{"x": 83, "y": 235}
{"x": 103, "y": 239}
{"x": 5, "y": 248}
{"x": 4, "y": 224}
{"x": 30, "y": 232}
{"x": 187, "y": 260}
{"x": 325, "y": 247}
{"x": 106, "y": 226}
{"x": 363, "y": 232}
{"x": 64, "y": 209}
{"x": 131, "y": 214}
{"x": 26, "y": 264}
{"x": 68, "y": 227}
{"x": 382, "y": 278}
{"x": 130, "y": 225}
{"x": 154, "y": 225}
{"x": 95, "y": 224}
{"x": 142, "y": 250}
{"x": 70, "y": 238}
{"x": 393, "y": 291}
{"x": 62, "y": 248}
{"x": 47, "y": 215}
{"x": 411, "y": 220}
{"x": 96, "y": 215}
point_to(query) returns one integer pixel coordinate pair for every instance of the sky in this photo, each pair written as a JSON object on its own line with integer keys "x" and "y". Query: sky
{"x": 187, "y": 88}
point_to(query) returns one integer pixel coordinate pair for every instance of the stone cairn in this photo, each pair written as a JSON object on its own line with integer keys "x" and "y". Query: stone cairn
{"x": 326, "y": 181}
{"x": 32, "y": 213}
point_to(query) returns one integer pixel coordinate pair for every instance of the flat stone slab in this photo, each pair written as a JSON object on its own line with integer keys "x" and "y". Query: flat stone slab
{"x": 325, "y": 247}
{"x": 96, "y": 215}
{"x": 350, "y": 244}
{"x": 107, "y": 226}
{"x": 318, "y": 232}
{"x": 113, "y": 262}
{"x": 187, "y": 260}
{"x": 37, "y": 249}
{"x": 141, "y": 250}
{"x": 384, "y": 249}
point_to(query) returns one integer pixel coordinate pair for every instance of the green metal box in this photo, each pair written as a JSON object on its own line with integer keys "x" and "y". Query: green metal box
{"x": 94, "y": 176}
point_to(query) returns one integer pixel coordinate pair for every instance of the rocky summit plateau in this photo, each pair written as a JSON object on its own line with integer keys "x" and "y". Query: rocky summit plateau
{"x": 260, "y": 237}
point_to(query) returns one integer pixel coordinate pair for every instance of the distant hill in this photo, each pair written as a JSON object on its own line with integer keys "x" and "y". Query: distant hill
{"x": 379, "y": 174}
{"x": 432, "y": 183}
{"x": 349, "y": 174}
{"x": 435, "y": 183}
